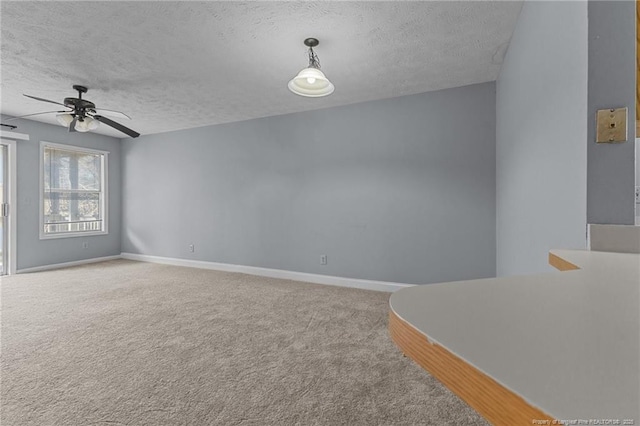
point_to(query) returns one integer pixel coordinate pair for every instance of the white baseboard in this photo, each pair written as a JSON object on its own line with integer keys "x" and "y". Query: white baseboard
{"x": 272, "y": 273}
{"x": 67, "y": 264}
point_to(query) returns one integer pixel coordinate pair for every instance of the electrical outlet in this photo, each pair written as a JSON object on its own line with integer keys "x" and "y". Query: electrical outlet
{"x": 637, "y": 194}
{"x": 192, "y": 248}
{"x": 323, "y": 259}
{"x": 85, "y": 245}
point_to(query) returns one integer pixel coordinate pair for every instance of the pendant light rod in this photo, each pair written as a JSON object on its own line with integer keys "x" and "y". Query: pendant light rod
{"x": 311, "y": 42}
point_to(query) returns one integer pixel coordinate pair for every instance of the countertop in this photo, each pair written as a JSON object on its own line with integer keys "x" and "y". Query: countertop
{"x": 567, "y": 342}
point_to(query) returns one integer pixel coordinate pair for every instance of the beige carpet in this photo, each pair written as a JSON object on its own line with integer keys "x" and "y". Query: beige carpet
{"x": 130, "y": 343}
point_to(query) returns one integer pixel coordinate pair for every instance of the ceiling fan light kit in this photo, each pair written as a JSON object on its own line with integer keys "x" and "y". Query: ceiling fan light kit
{"x": 311, "y": 81}
{"x": 83, "y": 124}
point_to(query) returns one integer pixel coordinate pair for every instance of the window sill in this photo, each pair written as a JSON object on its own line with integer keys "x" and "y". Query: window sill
{"x": 72, "y": 235}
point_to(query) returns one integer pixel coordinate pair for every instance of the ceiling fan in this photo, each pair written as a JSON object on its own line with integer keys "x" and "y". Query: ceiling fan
{"x": 82, "y": 115}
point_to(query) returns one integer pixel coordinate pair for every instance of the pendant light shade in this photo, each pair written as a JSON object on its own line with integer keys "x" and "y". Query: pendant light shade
{"x": 64, "y": 119}
{"x": 311, "y": 82}
{"x": 85, "y": 124}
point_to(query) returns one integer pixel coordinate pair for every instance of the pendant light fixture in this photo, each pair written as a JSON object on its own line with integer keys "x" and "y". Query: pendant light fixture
{"x": 311, "y": 82}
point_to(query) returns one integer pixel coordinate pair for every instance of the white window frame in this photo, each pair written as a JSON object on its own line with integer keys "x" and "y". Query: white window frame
{"x": 104, "y": 183}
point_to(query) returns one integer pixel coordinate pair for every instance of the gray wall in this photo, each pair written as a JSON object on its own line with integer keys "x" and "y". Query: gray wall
{"x": 399, "y": 190}
{"x": 541, "y": 149}
{"x": 638, "y": 179}
{"x": 612, "y": 82}
{"x": 31, "y": 251}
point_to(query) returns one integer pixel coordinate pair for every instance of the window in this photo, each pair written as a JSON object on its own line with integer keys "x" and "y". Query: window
{"x": 73, "y": 199}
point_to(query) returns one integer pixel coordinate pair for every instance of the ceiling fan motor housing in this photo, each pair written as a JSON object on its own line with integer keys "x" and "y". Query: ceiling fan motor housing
{"x": 79, "y": 104}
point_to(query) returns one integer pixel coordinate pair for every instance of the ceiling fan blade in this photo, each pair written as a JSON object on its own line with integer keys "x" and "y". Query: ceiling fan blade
{"x": 117, "y": 126}
{"x": 112, "y": 113}
{"x": 72, "y": 125}
{"x": 37, "y": 113}
{"x": 44, "y": 100}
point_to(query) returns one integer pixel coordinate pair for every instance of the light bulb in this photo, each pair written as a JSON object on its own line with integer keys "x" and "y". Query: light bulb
{"x": 311, "y": 80}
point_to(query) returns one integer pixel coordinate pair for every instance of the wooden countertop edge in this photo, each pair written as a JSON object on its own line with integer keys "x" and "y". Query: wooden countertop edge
{"x": 496, "y": 403}
{"x": 561, "y": 264}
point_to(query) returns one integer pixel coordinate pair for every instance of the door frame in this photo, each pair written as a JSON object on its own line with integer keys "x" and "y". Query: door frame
{"x": 11, "y": 231}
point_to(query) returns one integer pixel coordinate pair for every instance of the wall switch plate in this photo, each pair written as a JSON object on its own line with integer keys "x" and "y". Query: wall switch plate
{"x": 323, "y": 259}
{"x": 611, "y": 125}
{"x": 85, "y": 245}
{"x": 192, "y": 248}
{"x": 637, "y": 194}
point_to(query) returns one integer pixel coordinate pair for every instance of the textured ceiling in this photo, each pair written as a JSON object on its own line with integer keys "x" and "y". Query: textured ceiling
{"x": 176, "y": 65}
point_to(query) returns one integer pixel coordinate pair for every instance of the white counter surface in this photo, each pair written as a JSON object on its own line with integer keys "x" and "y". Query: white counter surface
{"x": 567, "y": 342}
